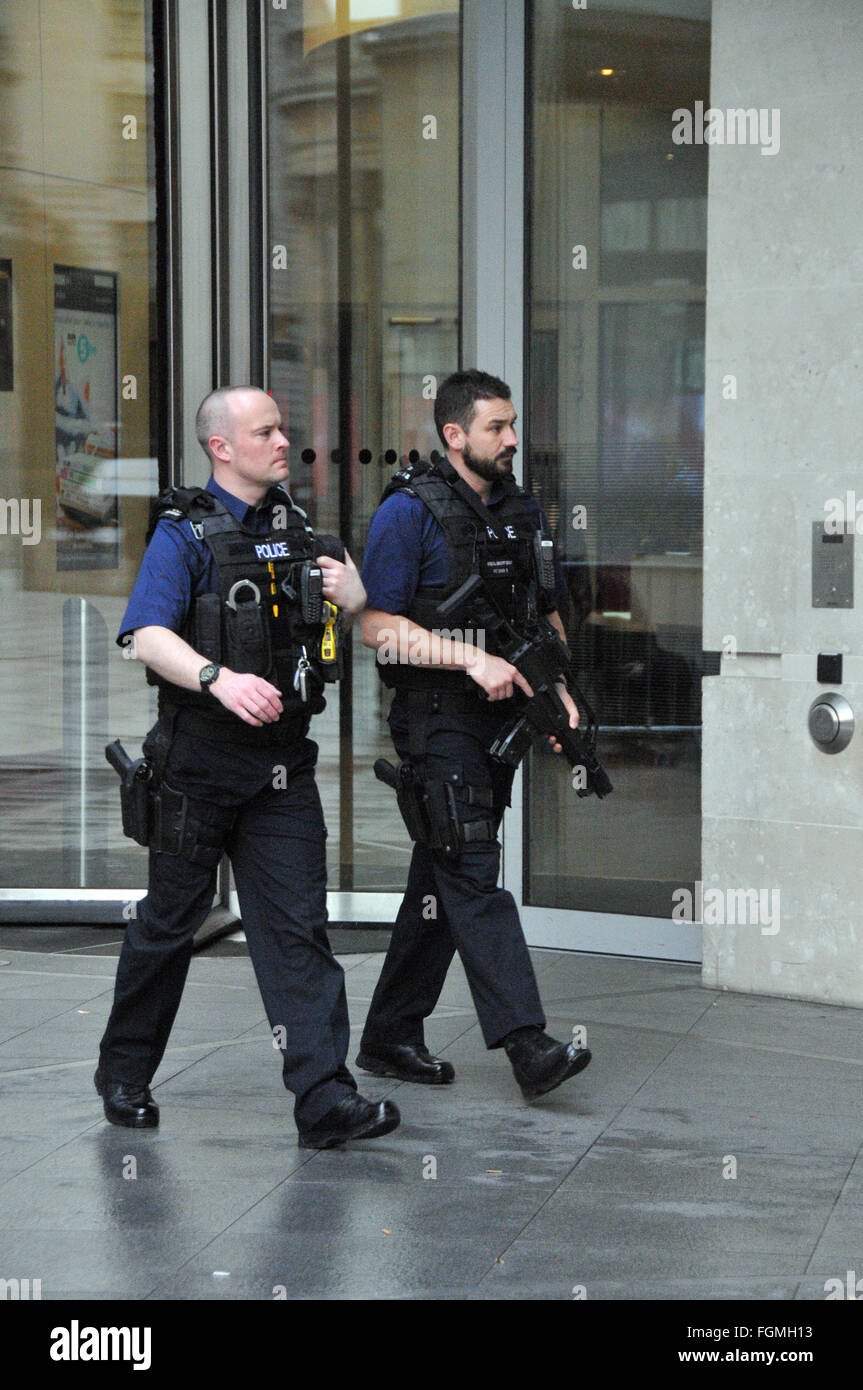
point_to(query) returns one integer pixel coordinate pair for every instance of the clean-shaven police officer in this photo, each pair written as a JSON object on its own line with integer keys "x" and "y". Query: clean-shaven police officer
{"x": 437, "y": 525}
{"x": 232, "y": 615}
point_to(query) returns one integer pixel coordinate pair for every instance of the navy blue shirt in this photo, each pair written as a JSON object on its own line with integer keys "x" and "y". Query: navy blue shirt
{"x": 407, "y": 549}
{"x": 177, "y": 567}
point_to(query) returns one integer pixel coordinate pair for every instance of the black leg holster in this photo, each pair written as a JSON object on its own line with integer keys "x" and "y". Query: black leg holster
{"x": 431, "y": 807}
{"x": 193, "y": 830}
{"x": 156, "y": 815}
{"x": 134, "y": 791}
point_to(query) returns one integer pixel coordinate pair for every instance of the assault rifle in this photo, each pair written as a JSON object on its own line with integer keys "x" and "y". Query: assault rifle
{"x": 541, "y": 657}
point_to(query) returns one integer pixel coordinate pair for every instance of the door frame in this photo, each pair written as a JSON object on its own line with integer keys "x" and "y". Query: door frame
{"x": 494, "y": 284}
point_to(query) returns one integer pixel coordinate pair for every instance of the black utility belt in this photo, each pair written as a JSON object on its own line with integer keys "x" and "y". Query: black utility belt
{"x": 420, "y": 704}
{"x": 234, "y": 731}
{"x": 427, "y": 701}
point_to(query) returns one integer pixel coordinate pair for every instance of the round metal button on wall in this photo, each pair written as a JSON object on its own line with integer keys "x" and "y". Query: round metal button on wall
{"x": 831, "y": 722}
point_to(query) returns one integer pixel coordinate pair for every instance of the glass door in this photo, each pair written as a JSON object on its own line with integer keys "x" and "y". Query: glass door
{"x": 77, "y": 437}
{"x": 615, "y": 403}
{"x": 363, "y": 321}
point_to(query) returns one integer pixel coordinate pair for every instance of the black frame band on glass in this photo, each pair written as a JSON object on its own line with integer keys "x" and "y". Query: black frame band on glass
{"x": 166, "y": 358}
{"x": 219, "y": 180}
{"x": 259, "y": 260}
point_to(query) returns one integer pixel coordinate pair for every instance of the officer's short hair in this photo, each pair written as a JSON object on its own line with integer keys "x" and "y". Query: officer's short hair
{"x": 214, "y": 417}
{"x": 455, "y": 403}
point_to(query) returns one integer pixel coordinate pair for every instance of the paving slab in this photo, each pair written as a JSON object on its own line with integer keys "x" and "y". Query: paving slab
{"x": 619, "y": 1181}
{"x": 371, "y": 1263}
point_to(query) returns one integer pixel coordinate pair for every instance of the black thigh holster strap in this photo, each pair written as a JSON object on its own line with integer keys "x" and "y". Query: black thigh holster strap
{"x": 478, "y": 830}
{"x": 472, "y": 830}
{"x": 449, "y": 830}
{"x": 475, "y": 796}
{"x": 191, "y": 829}
{"x": 430, "y": 809}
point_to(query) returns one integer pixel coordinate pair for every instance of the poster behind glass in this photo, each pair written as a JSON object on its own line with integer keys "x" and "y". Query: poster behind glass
{"x": 85, "y": 418}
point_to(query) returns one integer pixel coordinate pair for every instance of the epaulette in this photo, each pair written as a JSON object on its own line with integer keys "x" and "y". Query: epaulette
{"x": 403, "y": 478}
{"x": 175, "y": 503}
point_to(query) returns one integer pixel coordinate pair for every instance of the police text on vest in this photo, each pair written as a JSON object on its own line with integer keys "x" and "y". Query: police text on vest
{"x": 273, "y": 550}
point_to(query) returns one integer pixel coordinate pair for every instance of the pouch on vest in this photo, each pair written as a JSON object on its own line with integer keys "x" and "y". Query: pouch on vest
{"x": 247, "y": 632}
{"x": 207, "y": 635}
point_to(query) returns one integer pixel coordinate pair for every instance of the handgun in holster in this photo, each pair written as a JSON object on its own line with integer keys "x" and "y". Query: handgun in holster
{"x": 166, "y": 820}
{"x": 428, "y": 809}
{"x": 135, "y": 778}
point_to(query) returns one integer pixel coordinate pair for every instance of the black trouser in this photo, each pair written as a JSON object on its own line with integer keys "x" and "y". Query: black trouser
{"x": 454, "y": 904}
{"x": 276, "y": 844}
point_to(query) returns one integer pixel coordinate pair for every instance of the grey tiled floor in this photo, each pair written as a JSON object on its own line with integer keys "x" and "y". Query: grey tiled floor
{"x": 615, "y": 1182}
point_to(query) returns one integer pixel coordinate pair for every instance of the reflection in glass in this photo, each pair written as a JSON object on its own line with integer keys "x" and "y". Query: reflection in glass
{"x": 363, "y": 133}
{"x": 616, "y": 406}
{"x": 78, "y": 236}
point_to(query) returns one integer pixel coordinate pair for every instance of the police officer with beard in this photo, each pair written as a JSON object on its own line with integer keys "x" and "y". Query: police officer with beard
{"x": 436, "y": 526}
{"x": 237, "y": 614}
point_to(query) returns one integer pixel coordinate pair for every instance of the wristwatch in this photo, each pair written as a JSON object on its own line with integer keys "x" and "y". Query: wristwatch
{"x": 208, "y": 674}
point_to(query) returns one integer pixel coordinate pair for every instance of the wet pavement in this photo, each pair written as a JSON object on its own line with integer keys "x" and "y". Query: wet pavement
{"x": 711, "y": 1150}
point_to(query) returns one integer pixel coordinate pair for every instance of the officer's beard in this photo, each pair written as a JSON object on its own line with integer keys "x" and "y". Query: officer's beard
{"x": 489, "y": 469}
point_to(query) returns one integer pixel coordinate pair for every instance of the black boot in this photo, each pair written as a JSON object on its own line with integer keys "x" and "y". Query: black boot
{"x": 127, "y": 1103}
{"x": 407, "y": 1062}
{"x": 539, "y": 1062}
{"x": 353, "y": 1117}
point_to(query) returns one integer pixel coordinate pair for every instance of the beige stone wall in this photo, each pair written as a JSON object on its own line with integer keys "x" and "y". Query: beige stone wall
{"x": 785, "y": 301}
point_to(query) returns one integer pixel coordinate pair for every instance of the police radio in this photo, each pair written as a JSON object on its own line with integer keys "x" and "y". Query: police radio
{"x": 543, "y": 552}
{"x": 311, "y": 592}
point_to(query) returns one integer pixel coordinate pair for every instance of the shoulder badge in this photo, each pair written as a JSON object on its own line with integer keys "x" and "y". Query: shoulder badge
{"x": 403, "y": 478}
{"x": 175, "y": 503}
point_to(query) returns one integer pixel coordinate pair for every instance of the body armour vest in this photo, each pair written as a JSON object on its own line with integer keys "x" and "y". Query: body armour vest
{"x": 268, "y": 617}
{"x": 503, "y": 546}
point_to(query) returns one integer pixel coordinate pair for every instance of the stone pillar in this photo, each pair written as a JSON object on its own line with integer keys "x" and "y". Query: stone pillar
{"x": 784, "y": 434}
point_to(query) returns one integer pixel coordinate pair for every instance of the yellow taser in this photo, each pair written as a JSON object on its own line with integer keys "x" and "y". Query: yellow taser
{"x": 328, "y": 641}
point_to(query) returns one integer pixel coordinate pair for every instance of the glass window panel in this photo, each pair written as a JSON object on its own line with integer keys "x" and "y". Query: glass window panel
{"x": 616, "y": 411}
{"x": 625, "y": 227}
{"x": 77, "y": 189}
{"x": 363, "y": 105}
{"x": 653, "y": 198}
{"x": 682, "y": 224}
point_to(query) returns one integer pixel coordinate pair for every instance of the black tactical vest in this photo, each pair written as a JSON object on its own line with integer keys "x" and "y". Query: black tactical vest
{"x": 501, "y": 545}
{"x": 256, "y": 623}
